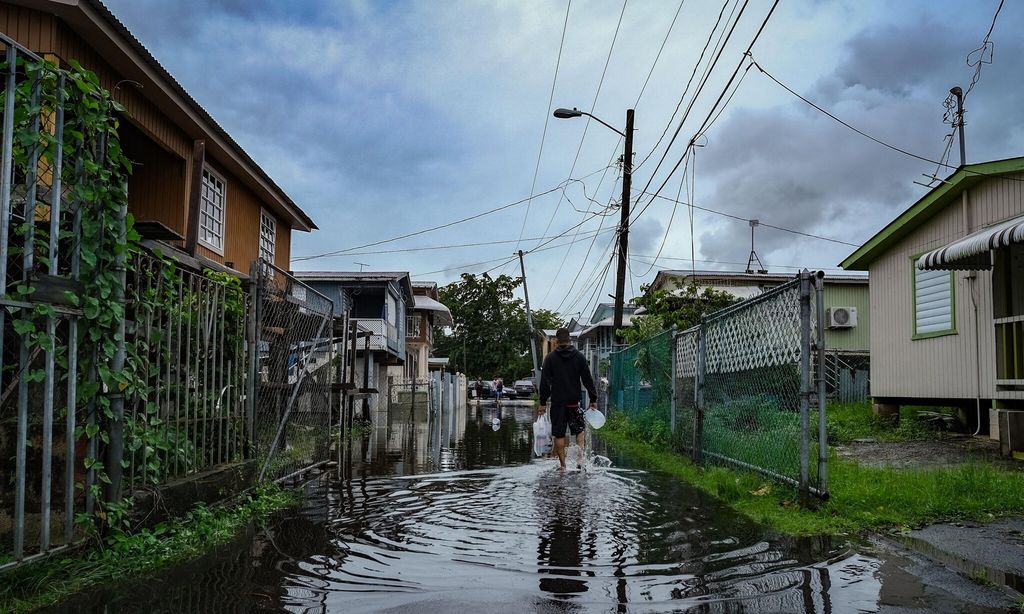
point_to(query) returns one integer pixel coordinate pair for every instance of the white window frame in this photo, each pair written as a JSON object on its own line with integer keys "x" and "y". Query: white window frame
{"x": 265, "y": 215}
{"x": 219, "y": 249}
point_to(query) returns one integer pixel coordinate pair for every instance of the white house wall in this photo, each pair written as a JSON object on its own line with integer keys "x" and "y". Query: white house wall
{"x": 939, "y": 367}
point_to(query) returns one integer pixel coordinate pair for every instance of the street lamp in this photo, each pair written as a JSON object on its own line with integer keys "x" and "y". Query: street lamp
{"x": 627, "y": 182}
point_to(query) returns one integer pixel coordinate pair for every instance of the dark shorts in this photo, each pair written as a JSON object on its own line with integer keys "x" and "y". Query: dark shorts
{"x": 563, "y": 417}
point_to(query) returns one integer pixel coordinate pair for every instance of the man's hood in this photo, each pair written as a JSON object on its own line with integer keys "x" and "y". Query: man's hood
{"x": 566, "y": 351}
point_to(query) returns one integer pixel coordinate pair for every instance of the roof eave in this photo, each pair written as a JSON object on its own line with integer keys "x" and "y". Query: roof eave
{"x": 926, "y": 207}
{"x": 92, "y": 17}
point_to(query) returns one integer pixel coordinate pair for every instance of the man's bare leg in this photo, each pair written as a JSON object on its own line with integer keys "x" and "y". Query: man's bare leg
{"x": 581, "y": 442}
{"x": 560, "y": 451}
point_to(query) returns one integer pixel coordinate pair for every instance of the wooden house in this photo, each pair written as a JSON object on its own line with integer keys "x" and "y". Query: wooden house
{"x": 194, "y": 190}
{"x": 947, "y": 298}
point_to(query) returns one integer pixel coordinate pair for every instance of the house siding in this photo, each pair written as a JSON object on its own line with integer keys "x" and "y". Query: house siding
{"x": 939, "y": 367}
{"x": 858, "y": 338}
{"x": 160, "y": 189}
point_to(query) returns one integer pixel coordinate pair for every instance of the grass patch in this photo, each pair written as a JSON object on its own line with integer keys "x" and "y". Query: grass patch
{"x": 850, "y": 421}
{"x": 123, "y": 556}
{"x": 862, "y": 498}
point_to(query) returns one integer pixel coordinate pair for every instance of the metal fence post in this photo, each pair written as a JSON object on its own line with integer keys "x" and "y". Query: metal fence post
{"x": 819, "y": 296}
{"x": 805, "y": 385}
{"x": 673, "y": 341}
{"x": 115, "y": 449}
{"x": 698, "y": 413}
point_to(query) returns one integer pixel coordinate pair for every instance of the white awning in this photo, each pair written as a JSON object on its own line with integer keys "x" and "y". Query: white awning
{"x": 442, "y": 315}
{"x": 972, "y": 252}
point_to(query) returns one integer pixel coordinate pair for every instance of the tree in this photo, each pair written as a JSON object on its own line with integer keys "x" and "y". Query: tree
{"x": 662, "y": 309}
{"x": 490, "y": 335}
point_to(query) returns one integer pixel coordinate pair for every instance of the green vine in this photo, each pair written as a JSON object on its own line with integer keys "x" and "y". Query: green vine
{"x": 94, "y": 178}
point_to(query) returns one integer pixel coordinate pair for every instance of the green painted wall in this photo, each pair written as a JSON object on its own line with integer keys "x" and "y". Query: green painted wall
{"x": 849, "y": 295}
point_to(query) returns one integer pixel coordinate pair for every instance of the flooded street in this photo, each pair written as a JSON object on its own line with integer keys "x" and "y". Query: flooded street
{"x": 454, "y": 515}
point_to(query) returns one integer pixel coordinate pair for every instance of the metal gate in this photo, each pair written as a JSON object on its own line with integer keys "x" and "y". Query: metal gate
{"x": 293, "y": 358}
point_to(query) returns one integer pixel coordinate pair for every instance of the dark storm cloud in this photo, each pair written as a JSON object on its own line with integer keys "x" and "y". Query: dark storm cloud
{"x": 793, "y": 167}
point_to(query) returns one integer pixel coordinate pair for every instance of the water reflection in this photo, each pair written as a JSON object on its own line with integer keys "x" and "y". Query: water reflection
{"x": 438, "y": 513}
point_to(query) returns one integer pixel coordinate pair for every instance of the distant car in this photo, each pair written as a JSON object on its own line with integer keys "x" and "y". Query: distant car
{"x": 524, "y": 387}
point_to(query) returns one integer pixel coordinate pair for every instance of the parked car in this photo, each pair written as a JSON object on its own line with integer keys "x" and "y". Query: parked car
{"x": 525, "y": 387}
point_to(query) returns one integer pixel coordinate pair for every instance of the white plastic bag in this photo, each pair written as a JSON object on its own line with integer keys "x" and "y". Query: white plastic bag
{"x": 542, "y": 440}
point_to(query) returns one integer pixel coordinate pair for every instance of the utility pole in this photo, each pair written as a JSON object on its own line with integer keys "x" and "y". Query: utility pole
{"x": 529, "y": 321}
{"x": 627, "y": 182}
{"x": 959, "y": 123}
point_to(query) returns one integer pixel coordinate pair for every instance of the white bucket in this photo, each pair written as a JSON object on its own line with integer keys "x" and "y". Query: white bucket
{"x": 594, "y": 418}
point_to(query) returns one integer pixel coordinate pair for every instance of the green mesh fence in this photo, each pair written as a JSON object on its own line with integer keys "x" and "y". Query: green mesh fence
{"x": 744, "y": 390}
{"x": 641, "y": 383}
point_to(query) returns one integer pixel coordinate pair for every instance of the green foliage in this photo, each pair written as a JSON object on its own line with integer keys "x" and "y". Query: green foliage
{"x": 862, "y": 498}
{"x": 127, "y": 555}
{"x": 663, "y": 309}
{"x": 491, "y": 335}
{"x": 851, "y": 421}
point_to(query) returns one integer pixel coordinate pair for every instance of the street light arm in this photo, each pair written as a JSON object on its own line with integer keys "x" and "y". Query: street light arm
{"x": 606, "y": 124}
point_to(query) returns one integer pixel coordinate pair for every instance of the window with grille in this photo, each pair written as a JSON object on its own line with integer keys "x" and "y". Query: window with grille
{"x": 412, "y": 326}
{"x": 268, "y": 234}
{"x": 212, "y": 202}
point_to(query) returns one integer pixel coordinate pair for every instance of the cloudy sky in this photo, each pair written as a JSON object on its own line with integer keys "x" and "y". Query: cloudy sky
{"x": 385, "y": 118}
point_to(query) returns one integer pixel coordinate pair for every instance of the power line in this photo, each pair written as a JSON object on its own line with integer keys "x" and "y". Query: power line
{"x": 711, "y": 112}
{"x": 762, "y": 223}
{"x": 870, "y": 137}
{"x": 593, "y": 106}
{"x": 643, "y": 88}
{"x": 700, "y": 88}
{"x": 696, "y": 66}
{"x": 503, "y": 260}
{"x": 428, "y": 248}
{"x": 778, "y": 266}
{"x": 560, "y": 186}
{"x": 547, "y": 117}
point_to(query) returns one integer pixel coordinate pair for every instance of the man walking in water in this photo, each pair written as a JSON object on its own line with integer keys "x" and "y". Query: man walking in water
{"x": 564, "y": 370}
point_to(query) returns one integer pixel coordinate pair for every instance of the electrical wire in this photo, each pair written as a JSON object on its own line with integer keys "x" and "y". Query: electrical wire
{"x": 870, "y": 137}
{"x": 428, "y": 248}
{"x": 560, "y": 186}
{"x": 746, "y": 55}
{"x": 547, "y": 117}
{"x": 696, "y": 66}
{"x": 762, "y": 223}
{"x": 593, "y": 106}
{"x": 700, "y": 88}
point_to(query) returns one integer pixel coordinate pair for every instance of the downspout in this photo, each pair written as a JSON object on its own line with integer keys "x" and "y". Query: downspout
{"x": 972, "y": 276}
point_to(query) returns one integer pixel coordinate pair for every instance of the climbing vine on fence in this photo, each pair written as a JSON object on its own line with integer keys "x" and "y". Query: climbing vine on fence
{"x": 101, "y": 242}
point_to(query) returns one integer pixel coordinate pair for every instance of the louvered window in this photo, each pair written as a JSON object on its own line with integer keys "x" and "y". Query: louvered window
{"x": 933, "y": 303}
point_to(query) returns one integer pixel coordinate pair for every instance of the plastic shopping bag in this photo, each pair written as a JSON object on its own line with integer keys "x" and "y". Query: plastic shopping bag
{"x": 542, "y": 441}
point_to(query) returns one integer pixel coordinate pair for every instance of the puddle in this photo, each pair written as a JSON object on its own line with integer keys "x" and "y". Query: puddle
{"x": 450, "y": 514}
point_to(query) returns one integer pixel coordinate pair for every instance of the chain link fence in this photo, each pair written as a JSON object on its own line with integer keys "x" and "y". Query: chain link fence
{"x": 294, "y": 358}
{"x": 743, "y": 388}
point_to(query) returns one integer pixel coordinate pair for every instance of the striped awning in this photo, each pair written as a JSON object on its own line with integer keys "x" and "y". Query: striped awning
{"x": 972, "y": 252}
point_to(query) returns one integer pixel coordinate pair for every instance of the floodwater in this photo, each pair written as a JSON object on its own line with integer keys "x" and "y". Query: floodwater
{"x": 454, "y": 515}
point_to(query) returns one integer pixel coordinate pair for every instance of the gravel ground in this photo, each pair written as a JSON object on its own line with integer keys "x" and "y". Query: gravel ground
{"x": 933, "y": 453}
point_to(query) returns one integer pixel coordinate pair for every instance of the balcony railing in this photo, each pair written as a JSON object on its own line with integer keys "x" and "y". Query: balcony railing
{"x": 384, "y": 336}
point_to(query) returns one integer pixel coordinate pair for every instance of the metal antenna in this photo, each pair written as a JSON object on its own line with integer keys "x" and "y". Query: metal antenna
{"x": 361, "y": 265}
{"x": 753, "y": 254}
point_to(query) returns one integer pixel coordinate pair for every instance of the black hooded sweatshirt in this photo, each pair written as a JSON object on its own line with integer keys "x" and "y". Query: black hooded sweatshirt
{"x": 561, "y": 375}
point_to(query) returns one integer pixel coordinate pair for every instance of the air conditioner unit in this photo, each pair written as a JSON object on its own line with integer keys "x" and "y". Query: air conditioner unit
{"x": 841, "y": 317}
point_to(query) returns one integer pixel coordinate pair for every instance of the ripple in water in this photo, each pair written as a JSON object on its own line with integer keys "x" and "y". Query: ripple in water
{"x": 529, "y": 535}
